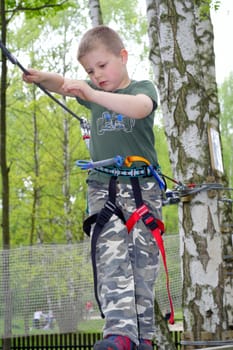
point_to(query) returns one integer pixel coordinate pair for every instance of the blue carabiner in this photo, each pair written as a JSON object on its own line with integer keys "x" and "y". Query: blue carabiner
{"x": 119, "y": 160}
{"x": 84, "y": 164}
{"x": 157, "y": 177}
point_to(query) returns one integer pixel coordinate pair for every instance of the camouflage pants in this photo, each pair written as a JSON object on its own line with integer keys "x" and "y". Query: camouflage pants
{"x": 127, "y": 264}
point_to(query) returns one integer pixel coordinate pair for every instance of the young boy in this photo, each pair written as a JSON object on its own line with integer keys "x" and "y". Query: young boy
{"x": 122, "y": 119}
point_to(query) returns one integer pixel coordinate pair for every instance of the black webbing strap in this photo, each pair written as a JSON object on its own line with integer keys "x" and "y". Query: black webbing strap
{"x": 100, "y": 219}
{"x": 106, "y": 212}
{"x": 136, "y": 191}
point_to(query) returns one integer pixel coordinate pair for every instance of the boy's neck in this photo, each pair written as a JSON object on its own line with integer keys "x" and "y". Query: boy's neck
{"x": 124, "y": 84}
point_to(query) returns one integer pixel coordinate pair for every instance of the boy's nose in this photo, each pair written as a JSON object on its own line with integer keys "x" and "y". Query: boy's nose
{"x": 97, "y": 74}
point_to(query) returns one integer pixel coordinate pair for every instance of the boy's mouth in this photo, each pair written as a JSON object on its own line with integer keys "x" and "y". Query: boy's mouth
{"x": 102, "y": 83}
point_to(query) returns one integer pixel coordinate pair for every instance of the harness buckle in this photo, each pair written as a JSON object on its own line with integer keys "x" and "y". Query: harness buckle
{"x": 106, "y": 213}
{"x": 116, "y": 172}
{"x": 133, "y": 172}
{"x": 150, "y": 221}
{"x": 110, "y": 206}
{"x": 147, "y": 172}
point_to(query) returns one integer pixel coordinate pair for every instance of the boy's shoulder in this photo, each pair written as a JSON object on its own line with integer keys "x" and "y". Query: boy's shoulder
{"x": 143, "y": 86}
{"x": 144, "y": 81}
{"x": 139, "y": 82}
{"x": 140, "y": 85}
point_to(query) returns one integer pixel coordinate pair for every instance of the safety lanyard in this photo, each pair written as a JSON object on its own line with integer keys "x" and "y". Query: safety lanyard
{"x": 156, "y": 227}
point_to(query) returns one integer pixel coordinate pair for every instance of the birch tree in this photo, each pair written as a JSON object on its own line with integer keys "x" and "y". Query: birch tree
{"x": 95, "y": 12}
{"x": 184, "y": 69}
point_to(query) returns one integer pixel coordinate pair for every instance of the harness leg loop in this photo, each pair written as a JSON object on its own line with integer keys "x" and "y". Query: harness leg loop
{"x": 100, "y": 220}
{"x": 157, "y": 229}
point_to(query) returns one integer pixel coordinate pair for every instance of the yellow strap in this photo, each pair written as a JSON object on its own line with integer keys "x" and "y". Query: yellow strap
{"x": 131, "y": 159}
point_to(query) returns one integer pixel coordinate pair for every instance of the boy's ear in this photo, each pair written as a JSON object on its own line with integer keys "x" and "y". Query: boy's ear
{"x": 124, "y": 55}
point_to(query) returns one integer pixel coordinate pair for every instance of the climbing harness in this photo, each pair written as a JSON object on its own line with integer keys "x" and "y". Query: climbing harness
{"x": 100, "y": 219}
{"x": 84, "y": 124}
{"x": 142, "y": 212}
{"x": 113, "y": 167}
{"x": 147, "y": 170}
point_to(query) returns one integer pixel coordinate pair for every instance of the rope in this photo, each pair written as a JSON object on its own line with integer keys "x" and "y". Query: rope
{"x": 14, "y": 60}
{"x": 84, "y": 124}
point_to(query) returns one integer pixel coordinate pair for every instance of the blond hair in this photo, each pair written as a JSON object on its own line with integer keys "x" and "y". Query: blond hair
{"x": 100, "y": 35}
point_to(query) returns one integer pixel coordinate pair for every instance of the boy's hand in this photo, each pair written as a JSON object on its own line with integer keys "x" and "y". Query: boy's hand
{"x": 50, "y": 81}
{"x": 34, "y": 76}
{"x": 78, "y": 88}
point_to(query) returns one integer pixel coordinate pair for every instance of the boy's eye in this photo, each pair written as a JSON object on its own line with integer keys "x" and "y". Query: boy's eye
{"x": 102, "y": 65}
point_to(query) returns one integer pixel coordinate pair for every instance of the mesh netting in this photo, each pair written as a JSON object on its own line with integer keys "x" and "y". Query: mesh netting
{"x": 49, "y": 288}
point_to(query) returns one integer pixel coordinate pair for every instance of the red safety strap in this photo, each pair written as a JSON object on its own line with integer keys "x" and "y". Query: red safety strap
{"x": 157, "y": 228}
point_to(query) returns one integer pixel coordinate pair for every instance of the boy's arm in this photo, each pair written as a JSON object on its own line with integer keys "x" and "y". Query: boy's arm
{"x": 50, "y": 81}
{"x": 134, "y": 106}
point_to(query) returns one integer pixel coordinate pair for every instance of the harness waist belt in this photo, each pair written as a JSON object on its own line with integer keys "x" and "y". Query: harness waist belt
{"x": 144, "y": 171}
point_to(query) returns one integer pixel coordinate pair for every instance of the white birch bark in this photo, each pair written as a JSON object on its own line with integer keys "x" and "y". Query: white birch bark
{"x": 183, "y": 62}
{"x": 95, "y": 12}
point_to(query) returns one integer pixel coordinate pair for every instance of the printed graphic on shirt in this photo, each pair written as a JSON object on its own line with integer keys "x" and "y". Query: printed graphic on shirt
{"x": 114, "y": 122}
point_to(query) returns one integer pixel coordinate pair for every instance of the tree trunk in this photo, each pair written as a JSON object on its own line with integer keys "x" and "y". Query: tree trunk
{"x": 35, "y": 227}
{"x": 3, "y": 157}
{"x": 95, "y": 12}
{"x": 163, "y": 336}
{"x": 66, "y": 156}
{"x": 5, "y": 187}
{"x": 66, "y": 181}
{"x": 183, "y": 61}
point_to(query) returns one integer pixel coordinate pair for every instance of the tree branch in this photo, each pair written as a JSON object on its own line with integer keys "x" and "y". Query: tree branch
{"x": 22, "y": 8}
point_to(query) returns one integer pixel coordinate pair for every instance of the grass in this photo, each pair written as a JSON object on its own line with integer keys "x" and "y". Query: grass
{"x": 96, "y": 325}
{"x": 89, "y": 326}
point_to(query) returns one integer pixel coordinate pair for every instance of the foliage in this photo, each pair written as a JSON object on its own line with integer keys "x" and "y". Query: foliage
{"x": 226, "y": 123}
{"x": 126, "y": 13}
{"x": 39, "y": 9}
{"x": 131, "y": 26}
{"x": 206, "y": 5}
{"x": 49, "y": 217}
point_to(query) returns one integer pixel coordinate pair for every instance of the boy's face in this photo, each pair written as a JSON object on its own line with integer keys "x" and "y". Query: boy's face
{"x": 105, "y": 69}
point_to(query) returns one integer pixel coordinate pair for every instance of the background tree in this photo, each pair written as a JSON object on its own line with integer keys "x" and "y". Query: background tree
{"x": 8, "y": 10}
{"x": 226, "y": 124}
{"x": 95, "y": 12}
{"x": 183, "y": 61}
{"x": 49, "y": 219}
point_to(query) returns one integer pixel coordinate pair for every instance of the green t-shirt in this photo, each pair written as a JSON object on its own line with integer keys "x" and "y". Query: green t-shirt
{"x": 113, "y": 134}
